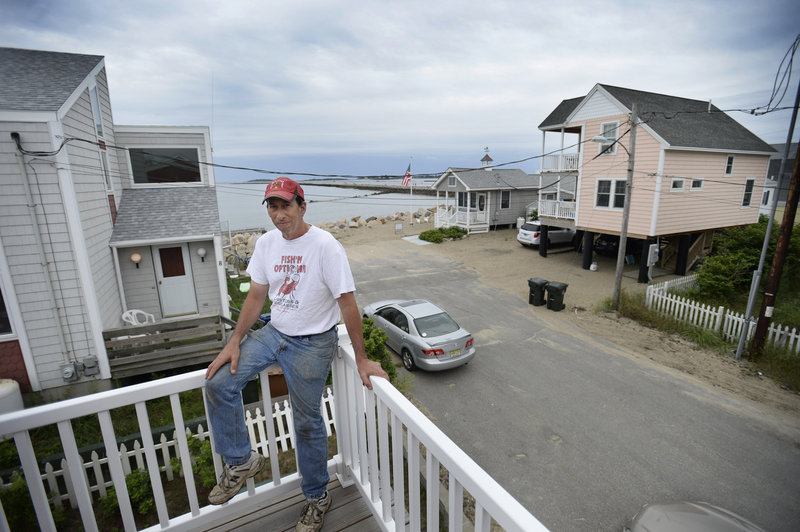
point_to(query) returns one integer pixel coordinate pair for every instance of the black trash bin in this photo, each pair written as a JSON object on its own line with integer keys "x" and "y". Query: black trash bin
{"x": 555, "y": 295}
{"x": 536, "y": 295}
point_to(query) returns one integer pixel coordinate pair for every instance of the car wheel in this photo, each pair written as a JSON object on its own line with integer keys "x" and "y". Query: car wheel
{"x": 408, "y": 360}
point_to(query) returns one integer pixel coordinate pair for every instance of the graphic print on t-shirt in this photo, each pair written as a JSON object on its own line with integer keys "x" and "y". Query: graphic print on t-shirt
{"x": 293, "y": 268}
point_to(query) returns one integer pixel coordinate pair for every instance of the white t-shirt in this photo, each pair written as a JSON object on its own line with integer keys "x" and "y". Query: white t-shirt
{"x": 305, "y": 277}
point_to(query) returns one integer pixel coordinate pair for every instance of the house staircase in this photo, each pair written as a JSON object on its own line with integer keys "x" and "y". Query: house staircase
{"x": 700, "y": 247}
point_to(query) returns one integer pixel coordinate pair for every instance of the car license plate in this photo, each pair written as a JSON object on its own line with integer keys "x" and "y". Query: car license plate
{"x": 455, "y": 352}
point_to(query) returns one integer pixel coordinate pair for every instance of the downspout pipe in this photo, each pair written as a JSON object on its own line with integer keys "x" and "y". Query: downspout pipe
{"x": 62, "y": 343}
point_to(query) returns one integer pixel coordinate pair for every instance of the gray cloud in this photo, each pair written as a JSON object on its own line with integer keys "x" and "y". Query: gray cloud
{"x": 378, "y": 79}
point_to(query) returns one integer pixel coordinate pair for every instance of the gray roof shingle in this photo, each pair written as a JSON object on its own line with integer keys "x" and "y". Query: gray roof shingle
{"x": 495, "y": 179}
{"x": 166, "y": 213}
{"x": 679, "y": 121}
{"x": 512, "y": 179}
{"x": 560, "y": 113}
{"x": 35, "y": 80}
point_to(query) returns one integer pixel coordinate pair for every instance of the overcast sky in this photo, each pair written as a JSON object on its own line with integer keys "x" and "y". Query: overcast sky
{"x": 359, "y": 87}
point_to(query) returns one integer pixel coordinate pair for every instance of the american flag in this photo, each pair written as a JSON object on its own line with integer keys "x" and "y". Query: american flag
{"x": 407, "y": 176}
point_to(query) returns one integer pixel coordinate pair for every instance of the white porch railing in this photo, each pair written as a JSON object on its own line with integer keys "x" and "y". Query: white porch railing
{"x": 473, "y": 221}
{"x": 561, "y": 162}
{"x": 132, "y": 454}
{"x": 365, "y": 422}
{"x": 557, "y": 209}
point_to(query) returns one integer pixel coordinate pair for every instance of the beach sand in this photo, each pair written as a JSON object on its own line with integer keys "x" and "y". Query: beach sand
{"x": 501, "y": 261}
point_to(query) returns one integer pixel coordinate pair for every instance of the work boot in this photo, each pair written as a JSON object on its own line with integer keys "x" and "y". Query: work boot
{"x": 232, "y": 478}
{"x": 313, "y": 514}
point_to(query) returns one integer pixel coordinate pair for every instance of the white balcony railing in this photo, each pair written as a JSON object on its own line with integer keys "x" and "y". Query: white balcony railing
{"x": 385, "y": 446}
{"x": 472, "y": 220}
{"x": 561, "y": 162}
{"x": 557, "y": 209}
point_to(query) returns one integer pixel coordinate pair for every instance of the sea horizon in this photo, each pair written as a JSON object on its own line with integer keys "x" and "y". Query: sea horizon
{"x": 240, "y": 205}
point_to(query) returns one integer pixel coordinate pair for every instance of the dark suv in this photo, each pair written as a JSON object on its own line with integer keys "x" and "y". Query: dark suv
{"x": 607, "y": 246}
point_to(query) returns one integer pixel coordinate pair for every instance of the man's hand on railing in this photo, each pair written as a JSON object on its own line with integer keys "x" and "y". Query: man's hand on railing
{"x": 369, "y": 368}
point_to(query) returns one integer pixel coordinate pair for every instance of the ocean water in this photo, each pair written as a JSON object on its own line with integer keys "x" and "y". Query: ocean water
{"x": 240, "y": 204}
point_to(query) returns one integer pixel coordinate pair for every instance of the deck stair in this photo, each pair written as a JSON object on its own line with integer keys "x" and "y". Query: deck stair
{"x": 167, "y": 344}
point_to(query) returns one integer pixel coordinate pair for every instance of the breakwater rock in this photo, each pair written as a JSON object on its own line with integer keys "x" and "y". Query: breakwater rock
{"x": 239, "y": 247}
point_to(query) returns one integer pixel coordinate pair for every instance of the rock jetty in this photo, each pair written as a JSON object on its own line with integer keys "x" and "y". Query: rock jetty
{"x": 239, "y": 248}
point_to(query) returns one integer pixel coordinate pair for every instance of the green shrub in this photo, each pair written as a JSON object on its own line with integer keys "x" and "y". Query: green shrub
{"x": 18, "y": 505}
{"x": 202, "y": 462}
{"x": 722, "y": 274}
{"x": 375, "y": 346}
{"x": 438, "y": 235}
{"x": 9, "y": 459}
{"x": 139, "y": 492}
{"x": 453, "y": 232}
{"x": 433, "y": 235}
{"x": 727, "y": 273}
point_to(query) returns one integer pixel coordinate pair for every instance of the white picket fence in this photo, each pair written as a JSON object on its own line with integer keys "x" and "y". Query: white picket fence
{"x": 728, "y": 323}
{"x": 96, "y": 470}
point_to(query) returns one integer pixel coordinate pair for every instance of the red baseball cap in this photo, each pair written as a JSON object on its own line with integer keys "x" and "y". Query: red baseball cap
{"x": 283, "y": 188}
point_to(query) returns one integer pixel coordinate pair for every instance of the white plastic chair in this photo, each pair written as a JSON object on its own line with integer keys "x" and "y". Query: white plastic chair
{"x": 137, "y": 317}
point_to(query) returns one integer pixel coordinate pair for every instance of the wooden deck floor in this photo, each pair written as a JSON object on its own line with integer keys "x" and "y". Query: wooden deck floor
{"x": 348, "y": 512}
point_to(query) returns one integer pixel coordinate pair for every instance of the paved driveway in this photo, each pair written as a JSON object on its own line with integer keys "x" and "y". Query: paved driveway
{"x": 579, "y": 434}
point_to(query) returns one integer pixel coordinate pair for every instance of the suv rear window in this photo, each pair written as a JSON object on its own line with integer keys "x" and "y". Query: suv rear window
{"x": 530, "y": 227}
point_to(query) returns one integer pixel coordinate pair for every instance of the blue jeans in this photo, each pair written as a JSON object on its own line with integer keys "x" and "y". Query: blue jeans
{"x": 305, "y": 361}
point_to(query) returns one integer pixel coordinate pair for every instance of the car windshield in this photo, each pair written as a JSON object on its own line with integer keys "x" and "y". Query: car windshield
{"x": 435, "y": 325}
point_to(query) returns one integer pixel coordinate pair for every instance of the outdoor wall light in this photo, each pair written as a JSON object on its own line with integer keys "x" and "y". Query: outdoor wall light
{"x": 136, "y": 258}
{"x": 201, "y": 252}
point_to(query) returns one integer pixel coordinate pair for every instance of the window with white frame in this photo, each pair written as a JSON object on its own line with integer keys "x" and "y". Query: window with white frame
{"x": 729, "y": 165}
{"x": 749, "y": 185}
{"x": 697, "y": 184}
{"x": 104, "y": 164}
{"x": 462, "y": 199}
{"x": 165, "y": 165}
{"x": 98, "y": 129}
{"x": 98, "y": 118}
{"x": 505, "y": 199}
{"x": 677, "y": 185}
{"x": 765, "y": 198}
{"x": 609, "y": 131}
{"x": 610, "y": 193}
{"x": 451, "y": 180}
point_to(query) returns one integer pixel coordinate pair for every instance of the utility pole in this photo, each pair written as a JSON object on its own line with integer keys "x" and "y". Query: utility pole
{"x": 785, "y": 233}
{"x": 756, "y": 281}
{"x": 626, "y": 212}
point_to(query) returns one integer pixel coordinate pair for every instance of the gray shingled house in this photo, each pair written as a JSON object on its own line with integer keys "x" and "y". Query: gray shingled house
{"x": 696, "y": 170}
{"x": 96, "y": 219}
{"x": 477, "y": 199}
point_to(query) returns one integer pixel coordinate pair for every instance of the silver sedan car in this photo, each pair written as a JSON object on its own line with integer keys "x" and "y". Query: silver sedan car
{"x": 424, "y": 335}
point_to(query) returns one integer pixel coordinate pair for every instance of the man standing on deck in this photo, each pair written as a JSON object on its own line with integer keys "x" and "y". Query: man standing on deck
{"x": 307, "y": 276}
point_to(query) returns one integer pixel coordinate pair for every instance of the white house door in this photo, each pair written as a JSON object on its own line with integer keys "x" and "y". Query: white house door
{"x": 175, "y": 282}
{"x": 480, "y": 216}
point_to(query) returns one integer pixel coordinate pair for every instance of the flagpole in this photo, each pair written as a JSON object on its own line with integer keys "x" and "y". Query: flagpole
{"x": 411, "y": 191}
